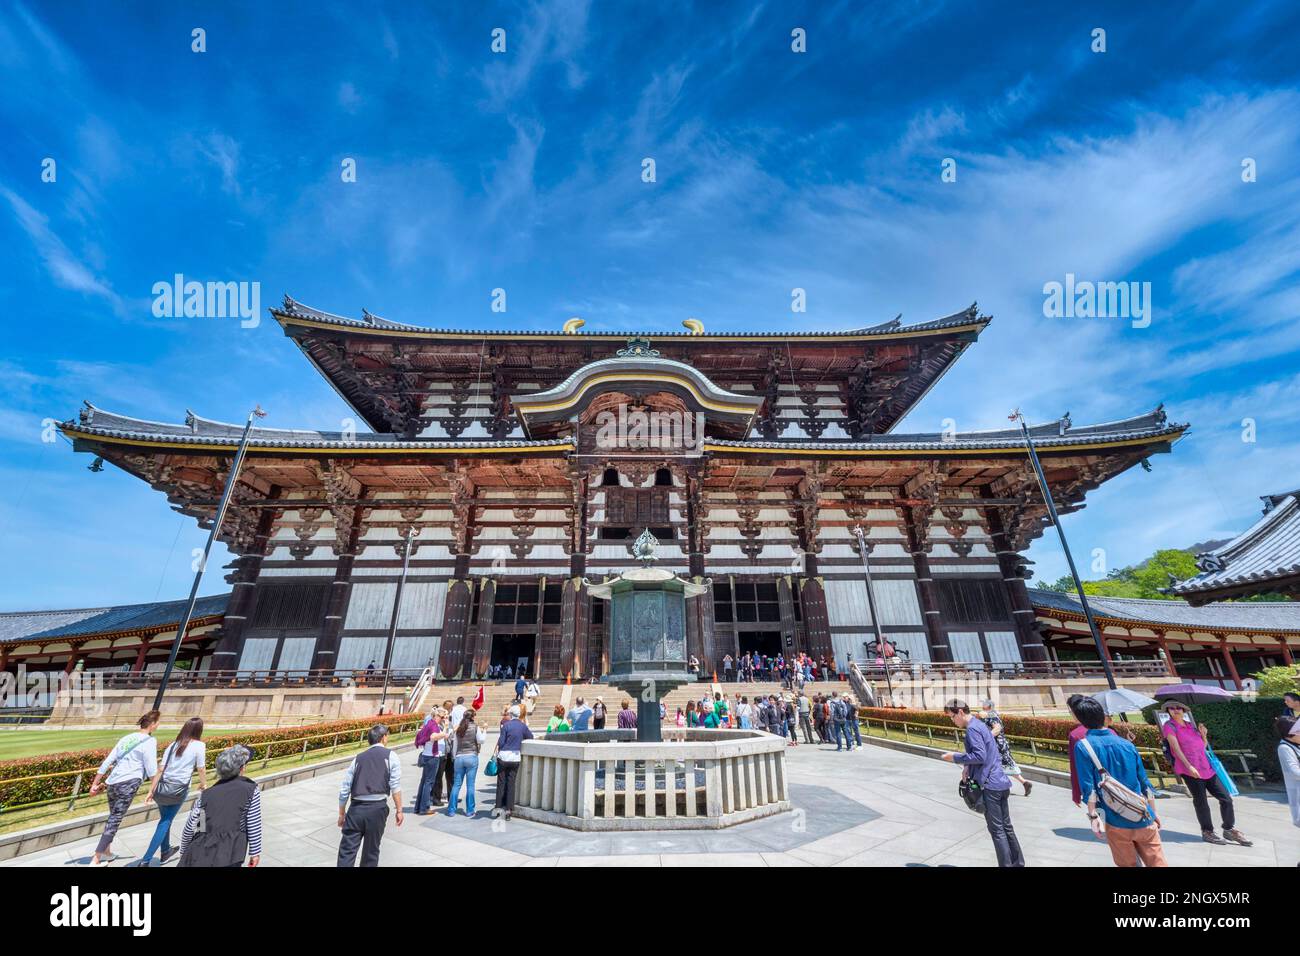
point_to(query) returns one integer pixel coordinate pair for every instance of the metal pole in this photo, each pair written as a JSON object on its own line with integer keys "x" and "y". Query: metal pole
{"x": 1069, "y": 558}
{"x": 871, "y": 606}
{"x": 397, "y": 610}
{"x": 207, "y": 549}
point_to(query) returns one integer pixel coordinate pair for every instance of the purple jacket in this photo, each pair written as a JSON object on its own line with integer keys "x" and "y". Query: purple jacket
{"x": 981, "y": 757}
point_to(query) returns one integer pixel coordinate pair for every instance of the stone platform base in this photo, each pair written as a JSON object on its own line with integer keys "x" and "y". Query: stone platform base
{"x": 623, "y": 824}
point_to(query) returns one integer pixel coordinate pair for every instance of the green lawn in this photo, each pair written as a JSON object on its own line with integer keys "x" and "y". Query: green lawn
{"x": 27, "y": 741}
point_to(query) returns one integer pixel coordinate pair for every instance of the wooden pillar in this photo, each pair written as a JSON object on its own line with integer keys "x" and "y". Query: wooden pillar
{"x": 140, "y": 657}
{"x": 701, "y": 632}
{"x": 455, "y": 626}
{"x": 700, "y": 627}
{"x": 789, "y": 629}
{"x": 1169, "y": 658}
{"x": 581, "y": 630}
{"x": 1022, "y": 609}
{"x": 243, "y": 581}
{"x": 1232, "y": 665}
{"x": 479, "y": 656}
{"x": 325, "y": 657}
{"x": 570, "y": 666}
{"x": 72, "y": 660}
{"x": 1105, "y": 647}
{"x": 575, "y": 607}
{"x": 934, "y": 632}
{"x": 1286, "y": 652}
{"x": 815, "y": 622}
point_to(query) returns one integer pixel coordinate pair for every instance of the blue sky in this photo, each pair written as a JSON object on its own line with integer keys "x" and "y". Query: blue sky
{"x": 522, "y": 170}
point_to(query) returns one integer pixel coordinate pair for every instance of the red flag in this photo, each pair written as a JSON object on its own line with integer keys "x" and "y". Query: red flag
{"x": 477, "y": 702}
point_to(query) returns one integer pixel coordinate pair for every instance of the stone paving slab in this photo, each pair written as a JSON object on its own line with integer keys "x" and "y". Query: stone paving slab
{"x": 870, "y": 807}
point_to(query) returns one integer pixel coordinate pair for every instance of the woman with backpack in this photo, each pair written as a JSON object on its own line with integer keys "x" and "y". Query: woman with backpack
{"x": 132, "y": 760}
{"x": 183, "y": 757}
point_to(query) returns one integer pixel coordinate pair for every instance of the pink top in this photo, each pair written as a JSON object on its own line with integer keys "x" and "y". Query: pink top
{"x": 1193, "y": 747}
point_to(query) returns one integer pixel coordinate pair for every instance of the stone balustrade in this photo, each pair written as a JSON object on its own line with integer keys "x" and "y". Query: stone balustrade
{"x": 693, "y": 779}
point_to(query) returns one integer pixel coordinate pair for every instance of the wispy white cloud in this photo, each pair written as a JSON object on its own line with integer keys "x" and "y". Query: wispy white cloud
{"x": 64, "y": 268}
{"x": 549, "y": 34}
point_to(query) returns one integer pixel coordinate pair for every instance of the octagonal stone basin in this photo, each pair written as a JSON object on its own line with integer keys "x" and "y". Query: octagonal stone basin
{"x": 693, "y": 779}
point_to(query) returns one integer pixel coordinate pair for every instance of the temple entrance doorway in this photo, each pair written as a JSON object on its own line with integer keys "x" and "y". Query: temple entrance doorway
{"x": 759, "y": 642}
{"x": 512, "y": 650}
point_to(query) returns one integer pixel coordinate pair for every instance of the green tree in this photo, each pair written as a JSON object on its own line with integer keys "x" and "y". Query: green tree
{"x": 1276, "y": 681}
{"x": 1145, "y": 580}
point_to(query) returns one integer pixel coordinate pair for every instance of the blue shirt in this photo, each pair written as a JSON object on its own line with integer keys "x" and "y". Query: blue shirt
{"x": 982, "y": 758}
{"x": 1122, "y": 761}
{"x": 580, "y": 718}
{"x": 513, "y": 734}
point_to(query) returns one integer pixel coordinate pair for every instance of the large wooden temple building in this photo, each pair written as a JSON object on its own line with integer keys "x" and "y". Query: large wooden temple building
{"x": 491, "y": 447}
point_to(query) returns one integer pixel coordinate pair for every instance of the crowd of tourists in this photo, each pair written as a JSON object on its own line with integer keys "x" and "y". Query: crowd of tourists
{"x": 793, "y": 671}
{"x": 1108, "y": 779}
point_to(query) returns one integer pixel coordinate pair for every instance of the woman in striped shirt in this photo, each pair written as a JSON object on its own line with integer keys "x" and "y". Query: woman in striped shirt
{"x": 231, "y": 815}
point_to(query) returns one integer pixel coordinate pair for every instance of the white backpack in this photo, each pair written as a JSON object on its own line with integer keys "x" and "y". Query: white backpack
{"x": 1119, "y": 799}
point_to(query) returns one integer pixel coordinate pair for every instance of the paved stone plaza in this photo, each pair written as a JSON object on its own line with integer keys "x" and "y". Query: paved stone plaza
{"x": 871, "y": 807}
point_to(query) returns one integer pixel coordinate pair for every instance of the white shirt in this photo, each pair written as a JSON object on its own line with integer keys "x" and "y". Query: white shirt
{"x": 1288, "y": 755}
{"x": 179, "y": 769}
{"x": 136, "y": 757}
{"x": 457, "y": 713}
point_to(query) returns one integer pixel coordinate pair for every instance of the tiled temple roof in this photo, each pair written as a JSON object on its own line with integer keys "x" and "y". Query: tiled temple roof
{"x": 1049, "y": 435}
{"x": 202, "y": 432}
{"x": 293, "y": 311}
{"x": 1264, "y": 557}
{"x": 1270, "y": 616}
{"x": 24, "y": 626}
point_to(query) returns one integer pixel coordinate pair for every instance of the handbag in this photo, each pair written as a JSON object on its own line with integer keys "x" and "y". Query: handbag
{"x": 170, "y": 794}
{"x": 1119, "y": 799}
{"x": 972, "y": 793}
{"x": 1221, "y": 772}
{"x": 491, "y": 769}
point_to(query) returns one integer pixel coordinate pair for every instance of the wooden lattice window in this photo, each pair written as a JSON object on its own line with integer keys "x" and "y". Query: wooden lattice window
{"x": 290, "y": 606}
{"x": 978, "y": 601}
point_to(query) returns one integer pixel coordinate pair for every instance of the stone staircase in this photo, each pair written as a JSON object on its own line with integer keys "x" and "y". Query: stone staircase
{"x": 498, "y": 695}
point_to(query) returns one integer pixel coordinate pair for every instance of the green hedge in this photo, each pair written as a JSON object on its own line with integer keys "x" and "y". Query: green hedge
{"x": 34, "y": 791}
{"x": 1044, "y": 728}
{"x": 1240, "y": 725}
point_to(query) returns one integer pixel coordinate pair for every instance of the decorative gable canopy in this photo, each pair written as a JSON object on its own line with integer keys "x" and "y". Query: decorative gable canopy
{"x": 637, "y": 372}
